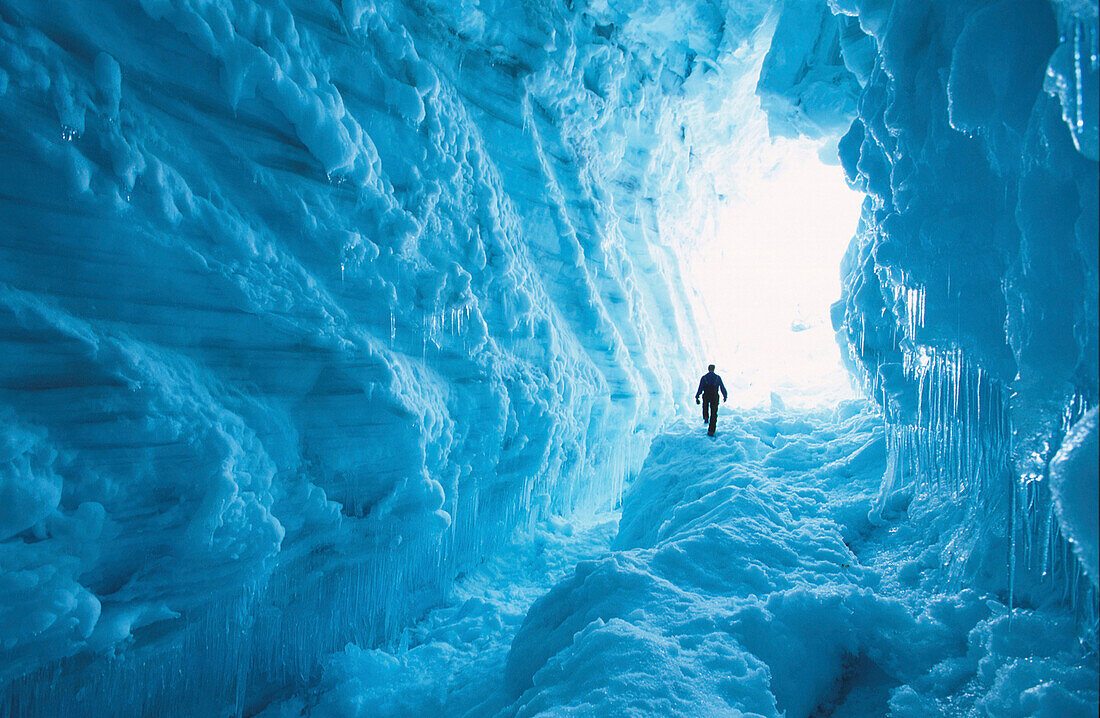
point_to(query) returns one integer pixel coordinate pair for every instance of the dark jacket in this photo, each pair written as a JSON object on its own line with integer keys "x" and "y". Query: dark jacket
{"x": 710, "y": 385}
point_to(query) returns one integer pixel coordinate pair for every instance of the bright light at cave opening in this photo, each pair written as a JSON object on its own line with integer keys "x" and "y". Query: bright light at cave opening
{"x": 768, "y": 277}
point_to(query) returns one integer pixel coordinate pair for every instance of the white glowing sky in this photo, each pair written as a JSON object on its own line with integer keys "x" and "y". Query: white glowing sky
{"x": 773, "y": 260}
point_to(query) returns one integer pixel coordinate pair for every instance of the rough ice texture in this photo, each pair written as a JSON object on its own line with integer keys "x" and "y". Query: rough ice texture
{"x": 303, "y": 304}
{"x": 748, "y": 580}
{"x": 1073, "y": 482}
{"x": 732, "y": 582}
{"x": 749, "y": 577}
{"x": 970, "y": 298}
{"x": 806, "y": 86}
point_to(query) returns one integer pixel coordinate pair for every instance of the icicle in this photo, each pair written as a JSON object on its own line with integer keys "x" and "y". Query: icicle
{"x": 1046, "y": 566}
{"x": 1094, "y": 51}
{"x": 1012, "y": 554}
{"x": 1078, "y": 76}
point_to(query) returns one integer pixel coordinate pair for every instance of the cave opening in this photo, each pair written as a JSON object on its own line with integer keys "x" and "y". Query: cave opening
{"x": 768, "y": 272}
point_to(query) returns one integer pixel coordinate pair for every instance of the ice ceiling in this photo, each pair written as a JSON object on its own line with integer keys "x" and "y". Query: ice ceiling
{"x": 304, "y": 305}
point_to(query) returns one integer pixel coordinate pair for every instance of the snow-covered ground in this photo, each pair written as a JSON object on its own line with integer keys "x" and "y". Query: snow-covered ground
{"x": 748, "y": 574}
{"x": 451, "y": 661}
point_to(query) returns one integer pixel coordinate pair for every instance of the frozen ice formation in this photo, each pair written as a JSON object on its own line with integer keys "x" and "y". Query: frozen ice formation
{"x": 970, "y": 302}
{"x": 1073, "y": 482}
{"x": 307, "y": 308}
{"x": 807, "y": 86}
{"x": 303, "y": 305}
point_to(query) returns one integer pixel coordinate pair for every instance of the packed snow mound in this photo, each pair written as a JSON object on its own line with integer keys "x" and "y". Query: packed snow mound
{"x": 749, "y": 580}
{"x": 449, "y": 663}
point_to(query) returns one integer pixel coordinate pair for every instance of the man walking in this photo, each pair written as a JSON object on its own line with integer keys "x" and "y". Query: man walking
{"x": 709, "y": 386}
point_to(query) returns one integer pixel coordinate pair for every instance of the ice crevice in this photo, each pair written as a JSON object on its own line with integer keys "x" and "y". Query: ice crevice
{"x": 347, "y": 350}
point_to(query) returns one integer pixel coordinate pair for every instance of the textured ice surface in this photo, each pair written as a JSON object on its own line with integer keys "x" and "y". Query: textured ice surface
{"x": 970, "y": 302}
{"x": 1073, "y": 482}
{"x": 451, "y": 661}
{"x": 746, "y": 578}
{"x": 305, "y": 306}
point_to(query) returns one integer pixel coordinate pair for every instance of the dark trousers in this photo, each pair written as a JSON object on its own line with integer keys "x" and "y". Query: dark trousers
{"x": 710, "y": 412}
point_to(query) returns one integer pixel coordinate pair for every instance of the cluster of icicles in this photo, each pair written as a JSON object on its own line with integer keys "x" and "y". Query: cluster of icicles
{"x": 955, "y": 447}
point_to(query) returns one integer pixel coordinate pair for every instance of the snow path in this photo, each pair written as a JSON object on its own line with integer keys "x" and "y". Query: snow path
{"x": 745, "y": 578}
{"x": 450, "y": 662}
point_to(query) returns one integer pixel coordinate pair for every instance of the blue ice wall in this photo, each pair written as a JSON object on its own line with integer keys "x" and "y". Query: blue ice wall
{"x": 303, "y": 305}
{"x": 970, "y": 291}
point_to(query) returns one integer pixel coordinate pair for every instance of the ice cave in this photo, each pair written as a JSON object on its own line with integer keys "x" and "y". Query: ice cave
{"x": 349, "y": 353}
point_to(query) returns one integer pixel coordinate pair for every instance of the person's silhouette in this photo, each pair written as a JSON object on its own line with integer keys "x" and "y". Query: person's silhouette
{"x": 709, "y": 386}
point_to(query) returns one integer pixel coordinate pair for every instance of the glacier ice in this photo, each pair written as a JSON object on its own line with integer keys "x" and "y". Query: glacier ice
{"x": 970, "y": 300}
{"x": 1074, "y": 487}
{"x": 303, "y": 305}
{"x": 332, "y": 331}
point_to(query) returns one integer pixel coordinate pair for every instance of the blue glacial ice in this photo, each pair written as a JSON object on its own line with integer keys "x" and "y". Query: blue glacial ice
{"x": 347, "y": 352}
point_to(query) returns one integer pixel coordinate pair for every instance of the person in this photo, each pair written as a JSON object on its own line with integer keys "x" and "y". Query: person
{"x": 709, "y": 386}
